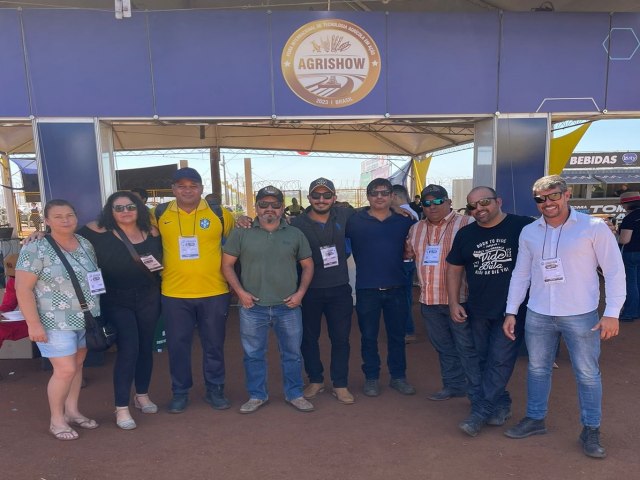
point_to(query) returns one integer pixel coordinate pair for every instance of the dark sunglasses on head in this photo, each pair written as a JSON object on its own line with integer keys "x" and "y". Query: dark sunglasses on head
{"x": 436, "y": 201}
{"x": 483, "y": 202}
{"x": 131, "y": 207}
{"x": 550, "y": 196}
{"x": 380, "y": 193}
{"x": 318, "y": 195}
{"x": 265, "y": 204}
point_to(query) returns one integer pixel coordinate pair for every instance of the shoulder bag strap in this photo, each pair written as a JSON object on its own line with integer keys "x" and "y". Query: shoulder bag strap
{"x": 74, "y": 280}
{"x": 133, "y": 253}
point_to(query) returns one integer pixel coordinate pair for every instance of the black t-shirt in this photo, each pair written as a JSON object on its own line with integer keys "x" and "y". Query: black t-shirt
{"x": 488, "y": 256}
{"x": 632, "y": 222}
{"x": 330, "y": 233}
{"x": 119, "y": 270}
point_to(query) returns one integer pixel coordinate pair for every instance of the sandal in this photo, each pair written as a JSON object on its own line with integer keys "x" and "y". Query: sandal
{"x": 86, "y": 423}
{"x": 147, "y": 407}
{"x": 126, "y": 423}
{"x": 66, "y": 434}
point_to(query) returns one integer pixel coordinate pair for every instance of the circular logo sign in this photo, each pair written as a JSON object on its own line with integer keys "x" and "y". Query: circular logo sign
{"x": 331, "y": 63}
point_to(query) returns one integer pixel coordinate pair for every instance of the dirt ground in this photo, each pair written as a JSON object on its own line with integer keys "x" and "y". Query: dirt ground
{"x": 389, "y": 437}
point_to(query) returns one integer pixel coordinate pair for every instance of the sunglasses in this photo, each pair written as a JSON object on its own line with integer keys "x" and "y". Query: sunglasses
{"x": 437, "y": 201}
{"x": 129, "y": 208}
{"x": 483, "y": 202}
{"x": 379, "y": 193}
{"x": 550, "y": 196}
{"x": 318, "y": 195}
{"x": 274, "y": 205}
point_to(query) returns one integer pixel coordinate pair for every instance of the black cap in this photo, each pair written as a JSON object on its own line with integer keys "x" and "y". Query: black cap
{"x": 435, "y": 191}
{"x": 187, "y": 173}
{"x": 322, "y": 182}
{"x": 269, "y": 191}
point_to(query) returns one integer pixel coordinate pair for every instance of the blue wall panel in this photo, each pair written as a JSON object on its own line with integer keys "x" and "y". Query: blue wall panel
{"x": 623, "y": 88}
{"x": 70, "y": 166}
{"x": 88, "y": 64}
{"x": 14, "y": 100}
{"x": 443, "y": 63}
{"x": 211, "y": 63}
{"x": 552, "y": 56}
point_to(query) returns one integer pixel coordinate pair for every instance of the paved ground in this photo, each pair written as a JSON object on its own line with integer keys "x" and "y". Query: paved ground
{"x": 389, "y": 437}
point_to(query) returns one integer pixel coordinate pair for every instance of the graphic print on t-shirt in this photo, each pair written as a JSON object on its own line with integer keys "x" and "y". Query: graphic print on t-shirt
{"x": 493, "y": 257}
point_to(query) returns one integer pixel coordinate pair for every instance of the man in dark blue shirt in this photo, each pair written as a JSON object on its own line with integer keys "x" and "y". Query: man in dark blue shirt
{"x": 377, "y": 239}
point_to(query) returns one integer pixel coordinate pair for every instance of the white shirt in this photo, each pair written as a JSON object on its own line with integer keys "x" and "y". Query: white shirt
{"x": 582, "y": 244}
{"x": 408, "y": 208}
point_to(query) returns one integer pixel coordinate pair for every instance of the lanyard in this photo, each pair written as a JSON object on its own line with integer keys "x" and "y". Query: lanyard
{"x": 444, "y": 231}
{"x": 327, "y": 227}
{"x": 195, "y": 219}
{"x": 70, "y": 254}
{"x": 544, "y": 242}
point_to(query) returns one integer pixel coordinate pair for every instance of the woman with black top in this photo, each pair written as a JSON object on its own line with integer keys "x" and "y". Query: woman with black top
{"x": 132, "y": 299}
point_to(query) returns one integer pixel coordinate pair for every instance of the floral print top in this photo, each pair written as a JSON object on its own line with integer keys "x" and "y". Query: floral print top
{"x": 56, "y": 299}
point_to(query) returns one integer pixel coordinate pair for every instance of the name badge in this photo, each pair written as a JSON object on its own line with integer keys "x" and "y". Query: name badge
{"x": 96, "y": 282}
{"x": 151, "y": 263}
{"x": 552, "y": 271}
{"x": 431, "y": 256}
{"x": 329, "y": 256}
{"x": 188, "y": 248}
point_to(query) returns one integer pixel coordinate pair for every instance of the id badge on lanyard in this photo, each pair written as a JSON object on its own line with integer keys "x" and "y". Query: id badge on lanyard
{"x": 151, "y": 263}
{"x": 96, "y": 282}
{"x": 329, "y": 256}
{"x": 188, "y": 248}
{"x": 431, "y": 256}
{"x": 552, "y": 271}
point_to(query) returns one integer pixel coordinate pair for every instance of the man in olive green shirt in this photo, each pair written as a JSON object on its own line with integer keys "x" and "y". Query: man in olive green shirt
{"x": 269, "y": 295}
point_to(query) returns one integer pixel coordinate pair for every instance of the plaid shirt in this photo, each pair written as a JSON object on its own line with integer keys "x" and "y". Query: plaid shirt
{"x": 433, "y": 283}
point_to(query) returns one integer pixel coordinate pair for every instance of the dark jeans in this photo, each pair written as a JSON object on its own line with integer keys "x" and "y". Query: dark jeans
{"x": 409, "y": 271}
{"x": 182, "y": 316}
{"x": 134, "y": 313}
{"x": 497, "y": 355}
{"x": 631, "y": 309}
{"x": 370, "y": 303}
{"x": 459, "y": 363}
{"x": 337, "y": 305}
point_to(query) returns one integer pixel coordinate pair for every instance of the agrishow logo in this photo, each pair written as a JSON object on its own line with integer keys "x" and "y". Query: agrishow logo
{"x": 331, "y": 63}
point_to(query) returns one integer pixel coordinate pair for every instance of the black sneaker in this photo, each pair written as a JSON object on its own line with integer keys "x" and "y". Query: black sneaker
{"x": 526, "y": 428}
{"x": 178, "y": 403}
{"x": 472, "y": 425}
{"x": 590, "y": 439}
{"x": 215, "y": 397}
{"x": 500, "y": 417}
{"x": 402, "y": 386}
{"x": 445, "y": 394}
{"x": 371, "y": 387}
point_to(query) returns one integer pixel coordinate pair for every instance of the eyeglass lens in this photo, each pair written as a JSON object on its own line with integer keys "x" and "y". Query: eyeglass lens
{"x": 380, "y": 193}
{"x": 121, "y": 208}
{"x": 483, "y": 202}
{"x": 318, "y": 195}
{"x": 550, "y": 196}
{"x": 437, "y": 201}
{"x": 264, "y": 204}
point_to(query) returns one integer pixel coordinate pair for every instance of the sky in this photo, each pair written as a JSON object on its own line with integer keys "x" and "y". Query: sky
{"x": 297, "y": 171}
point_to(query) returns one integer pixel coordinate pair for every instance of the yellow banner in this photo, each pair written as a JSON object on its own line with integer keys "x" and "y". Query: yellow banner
{"x": 562, "y": 147}
{"x": 420, "y": 172}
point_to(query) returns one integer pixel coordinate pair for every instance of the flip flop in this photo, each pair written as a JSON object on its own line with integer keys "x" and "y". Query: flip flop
{"x": 64, "y": 435}
{"x": 86, "y": 423}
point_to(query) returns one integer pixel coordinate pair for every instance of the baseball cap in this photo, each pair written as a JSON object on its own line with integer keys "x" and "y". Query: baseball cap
{"x": 435, "y": 191}
{"x": 187, "y": 173}
{"x": 270, "y": 191}
{"x": 627, "y": 197}
{"x": 322, "y": 182}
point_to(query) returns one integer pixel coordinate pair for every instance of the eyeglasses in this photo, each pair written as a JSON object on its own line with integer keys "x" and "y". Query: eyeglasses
{"x": 274, "y": 205}
{"x": 379, "y": 193}
{"x": 318, "y": 195}
{"x": 437, "y": 201}
{"x": 131, "y": 207}
{"x": 483, "y": 202}
{"x": 550, "y": 196}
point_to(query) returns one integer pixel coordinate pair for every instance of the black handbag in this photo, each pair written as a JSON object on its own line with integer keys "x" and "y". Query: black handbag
{"x": 100, "y": 335}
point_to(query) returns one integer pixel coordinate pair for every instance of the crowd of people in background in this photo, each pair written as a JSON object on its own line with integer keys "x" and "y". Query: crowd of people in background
{"x": 488, "y": 281}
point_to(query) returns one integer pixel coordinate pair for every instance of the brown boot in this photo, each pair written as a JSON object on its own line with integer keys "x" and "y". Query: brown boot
{"x": 312, "y": 390}
{"x": 343, "y": 395}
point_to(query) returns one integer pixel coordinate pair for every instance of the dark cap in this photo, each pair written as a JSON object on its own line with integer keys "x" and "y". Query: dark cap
{"x": 627, "y": 197}
{"x": 322, "y": 182}
{"x": 187, "y": 173}
{"x": 269, "y": 191}
{"x": 436, "y": 191}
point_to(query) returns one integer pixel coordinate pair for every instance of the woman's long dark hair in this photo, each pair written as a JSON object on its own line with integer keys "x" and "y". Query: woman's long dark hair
{"x": 108, "y": 221}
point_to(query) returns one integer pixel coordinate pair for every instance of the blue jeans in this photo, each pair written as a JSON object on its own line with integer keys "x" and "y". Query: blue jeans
{"x": 542, "y": 334}
{"x": 370, "y": 303}
{"x": 631, "y": 309}
{"x": 497, "y": 357}
{"x": 255, "y": 323}
{"x": 459, "y": 363}
{"x": 409, "y": 270}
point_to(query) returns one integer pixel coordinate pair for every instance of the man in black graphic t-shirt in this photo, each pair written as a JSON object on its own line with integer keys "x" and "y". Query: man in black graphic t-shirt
{"x": 486, "y": 252}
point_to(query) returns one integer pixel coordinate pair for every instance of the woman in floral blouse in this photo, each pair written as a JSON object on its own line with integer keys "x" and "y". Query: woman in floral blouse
{"x": 51, "y": 308}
